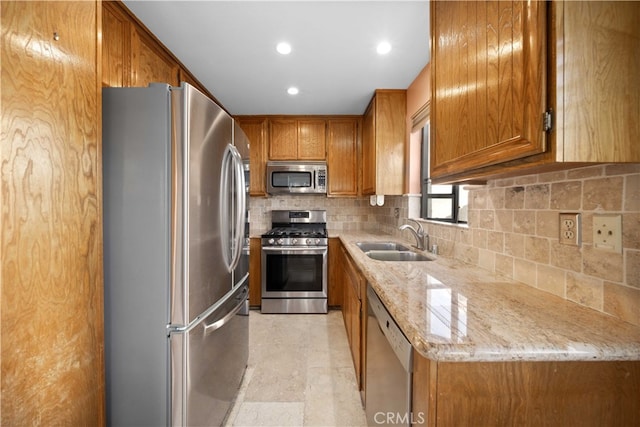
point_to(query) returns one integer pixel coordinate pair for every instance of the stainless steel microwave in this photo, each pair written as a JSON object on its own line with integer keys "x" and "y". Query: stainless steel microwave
{"x": 296, "y": 177}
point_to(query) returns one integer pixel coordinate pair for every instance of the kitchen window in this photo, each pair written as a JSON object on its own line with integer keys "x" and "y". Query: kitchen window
{"x": 448, "y": 203}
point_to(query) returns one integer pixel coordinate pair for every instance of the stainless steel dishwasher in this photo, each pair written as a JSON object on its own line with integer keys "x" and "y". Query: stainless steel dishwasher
{"x": 389, "y": 368}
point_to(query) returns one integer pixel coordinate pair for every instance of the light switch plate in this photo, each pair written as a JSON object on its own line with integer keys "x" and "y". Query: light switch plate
{"x": 607, "y": 232}
{"x": 570, "y": 229}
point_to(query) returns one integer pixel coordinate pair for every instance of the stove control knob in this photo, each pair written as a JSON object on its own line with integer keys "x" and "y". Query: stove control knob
{"x": 280, "y": 241}
{"x": 317, "y": 241}
{"x": 271, "y": 241}
{"x": 294, "y": 241}
{"x": 308, "y": 241}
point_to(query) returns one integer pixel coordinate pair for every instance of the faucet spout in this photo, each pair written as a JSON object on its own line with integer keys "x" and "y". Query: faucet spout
{"x": 418, "y": 234}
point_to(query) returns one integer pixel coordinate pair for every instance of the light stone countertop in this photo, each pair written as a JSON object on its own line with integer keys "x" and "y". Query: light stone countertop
{"x": 451, "y": 311}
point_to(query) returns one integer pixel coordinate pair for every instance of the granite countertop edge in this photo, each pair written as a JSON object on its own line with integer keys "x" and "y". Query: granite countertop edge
{"x": 486, "y": 317}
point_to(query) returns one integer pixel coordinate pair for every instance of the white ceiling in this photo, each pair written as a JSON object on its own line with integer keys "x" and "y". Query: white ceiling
{"x": 230, "y": 47}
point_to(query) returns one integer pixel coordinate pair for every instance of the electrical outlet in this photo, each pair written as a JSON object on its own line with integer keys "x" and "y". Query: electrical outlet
{"x": 607, "y": 232}
{"x": 570, "y": 229}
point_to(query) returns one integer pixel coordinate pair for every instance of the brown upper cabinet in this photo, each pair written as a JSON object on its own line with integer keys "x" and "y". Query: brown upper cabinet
{"x": 383, "y": 143}
{"x": 256, "y": 129}
{"x": 150, "y": 63}
{"x": 524, "y": 87}
{"x": 291, "y": 139}
{"x": 305, "y": 138}
{"x": 133, "y": 56}
{"x": 342, "y": 157}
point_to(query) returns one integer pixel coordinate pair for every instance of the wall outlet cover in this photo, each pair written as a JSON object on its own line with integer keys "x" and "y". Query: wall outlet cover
{"x": 607, "y": 232}
{"x": 570, "y": 229}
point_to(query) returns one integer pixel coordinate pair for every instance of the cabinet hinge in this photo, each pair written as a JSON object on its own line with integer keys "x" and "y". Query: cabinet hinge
{"x": 547, "y": 120}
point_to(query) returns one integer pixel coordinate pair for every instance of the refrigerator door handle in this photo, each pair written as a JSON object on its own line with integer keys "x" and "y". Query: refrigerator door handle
{"x": 232, "y": 238}
{"x": 241, "y": 206}
{"x": 221, "y": 322}
{"x": 223, "y": 207}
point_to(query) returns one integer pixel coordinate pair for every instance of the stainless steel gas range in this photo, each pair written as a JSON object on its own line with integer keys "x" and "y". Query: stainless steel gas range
{"x": 294, "y": 262}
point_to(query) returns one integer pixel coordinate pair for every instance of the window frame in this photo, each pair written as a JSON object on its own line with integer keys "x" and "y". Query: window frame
{"x": 426, "y": 187}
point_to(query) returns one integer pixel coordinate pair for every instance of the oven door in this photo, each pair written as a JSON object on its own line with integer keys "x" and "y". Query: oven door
{"x": 294, "y": 272}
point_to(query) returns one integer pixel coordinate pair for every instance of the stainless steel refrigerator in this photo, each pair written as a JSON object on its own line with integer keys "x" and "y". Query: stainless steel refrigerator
{"x": 176, "y": 256}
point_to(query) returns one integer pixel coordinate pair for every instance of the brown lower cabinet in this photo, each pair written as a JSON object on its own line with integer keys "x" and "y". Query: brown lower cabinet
{"x": 334, "y": 268}
{"x": 255, "y": 272}
{"x": 354, "y": 306}
{"x": 526, "y": 393}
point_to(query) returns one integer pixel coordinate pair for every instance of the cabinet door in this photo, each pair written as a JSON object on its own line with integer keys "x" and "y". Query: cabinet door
{"x": 598, "y": 89}
{"x": 150, "y": 63}
{"x": 283, "y": 140}
{"x": 256, "y": 130}
{"x": 116, "y": 46}
{"x": 369, "y": 150}
{"x": 356, "y": 335}
{"x": 424, "y": 390}
{"x": 335, "y": 290}
{"x": 311, "y": 139}
{"x": 353, "y": 320}
{"x": 352, "y": 290}
{"x": 391, "y": 141}
{"x": 488, "y": 83}
{"x": 342, "y": 158}
{"x": 346, "y": 300}
{"x": 255, "y": 272}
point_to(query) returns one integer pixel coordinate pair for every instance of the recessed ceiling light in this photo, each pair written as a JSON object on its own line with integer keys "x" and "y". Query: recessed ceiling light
{"x": 283, "y": 48}
{"x": 293, "y": 90}
{"x": 384, "y": 48}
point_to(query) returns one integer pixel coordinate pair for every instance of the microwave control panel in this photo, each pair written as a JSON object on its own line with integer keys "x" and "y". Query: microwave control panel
{"x": 322, "y": 179}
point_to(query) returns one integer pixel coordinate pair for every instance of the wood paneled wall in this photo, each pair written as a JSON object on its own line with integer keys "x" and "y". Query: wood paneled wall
{"x": 51, "y": 283}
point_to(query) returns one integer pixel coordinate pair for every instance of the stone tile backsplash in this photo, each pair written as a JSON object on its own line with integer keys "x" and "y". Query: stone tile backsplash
{"x": 514, "y": 225}
{"x": 352, "y": 214}
{"x": 513, "y": 230}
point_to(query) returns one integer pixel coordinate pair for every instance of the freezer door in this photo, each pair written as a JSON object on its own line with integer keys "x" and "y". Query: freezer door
{"x": 201, "y": 133}
{"x": 208, "y": 363}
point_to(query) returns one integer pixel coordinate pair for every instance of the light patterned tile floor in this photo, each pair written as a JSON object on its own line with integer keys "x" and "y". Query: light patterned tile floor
{"x": 300, "y": 373}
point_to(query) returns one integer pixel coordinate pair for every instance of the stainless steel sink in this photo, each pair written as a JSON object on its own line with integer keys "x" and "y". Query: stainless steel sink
{"x": 381, "y": 246}
{"x": 396, "y": 256}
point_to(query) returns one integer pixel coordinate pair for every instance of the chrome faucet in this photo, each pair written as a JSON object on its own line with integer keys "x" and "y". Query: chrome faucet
{"x": 418, "y": 234}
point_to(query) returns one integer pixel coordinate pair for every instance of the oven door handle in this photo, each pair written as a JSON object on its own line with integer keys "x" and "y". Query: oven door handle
{"x": 314, "y": 250}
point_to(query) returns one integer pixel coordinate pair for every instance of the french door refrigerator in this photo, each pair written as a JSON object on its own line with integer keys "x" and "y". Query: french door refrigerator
{"x": 176, "y": 256}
